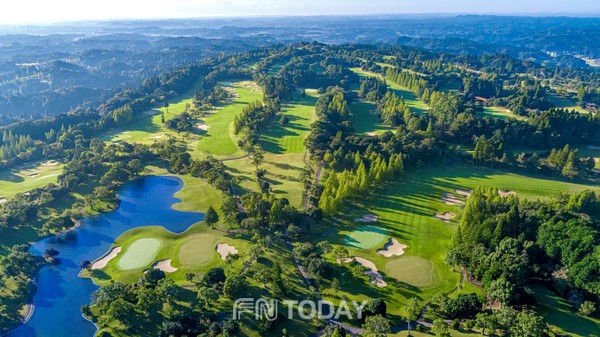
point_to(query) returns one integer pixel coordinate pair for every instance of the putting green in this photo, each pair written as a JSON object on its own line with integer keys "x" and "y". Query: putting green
{"x": 413, "y": 270}
{"x": 366, "y": 237}
{"x": 140, "y": 254}
{"x": 197, "y": 249}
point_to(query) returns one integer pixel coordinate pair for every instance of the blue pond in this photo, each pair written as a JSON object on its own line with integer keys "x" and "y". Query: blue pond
{"x": 61, "y": 293}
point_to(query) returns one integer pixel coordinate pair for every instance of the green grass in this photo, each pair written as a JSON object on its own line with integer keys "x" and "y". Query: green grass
{"x": 421, "y": 271}
{"x": 499, "y": 112}
{"x": 365, "y": 118}
{"x": 289, "y": 138}
{"x": 565, "y": 103}
{"x": 366, "y": 237}
{"x": 219, "y": 139}
{"x": 405, "y": 211}
{"x": 140, "y": 254}
{"x": 562, "y": 317}
{"x": 27, "y": 178}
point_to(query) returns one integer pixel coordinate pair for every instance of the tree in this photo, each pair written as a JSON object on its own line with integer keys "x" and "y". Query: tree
{"x": 440, "y": 328}
{"x": 208, "y": 295}
{"x": 587, "y": 308}
{"x": 121, "y": 311}
{"x": 235, "y": 286}
{"x": 412, "y": 312}
{"x": 528, "y": 324}
{"x": 153, "y": 276}
{"x": 501, "y": 290}
{"x": 335, "y": 285}
{"x": 340, "y": 254}
{"x": 257, "y": 157}
{"x": 211, "y": 217}
{"x": 85, "y": 264}
{"x": 377, "y": 326}
{"x": 263, "y": 276}
{"x": 215, "y": 276}
{"x": 485, "y": 322}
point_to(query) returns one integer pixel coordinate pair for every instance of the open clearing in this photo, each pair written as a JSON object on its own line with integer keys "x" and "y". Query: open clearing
{"x": 500, "y": 112}
{"x": 28, "y": 177}
{"x": 414, "y": 270}
{"x": 561, "y": 316}
{"x": 565, "y": 103}
{"x": 140, "y": 254}
{"x": 196, "y": 249}
{"x": 219, "y": 139}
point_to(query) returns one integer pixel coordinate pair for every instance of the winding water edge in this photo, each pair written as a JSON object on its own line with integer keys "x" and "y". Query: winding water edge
{"x": 61, "y": 292}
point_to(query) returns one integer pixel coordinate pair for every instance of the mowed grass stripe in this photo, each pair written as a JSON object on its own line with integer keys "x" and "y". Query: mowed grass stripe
{"x": 220, "y": 139}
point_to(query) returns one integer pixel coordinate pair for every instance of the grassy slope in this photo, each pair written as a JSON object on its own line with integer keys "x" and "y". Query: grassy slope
{"x": 499, "y": 112}
{"x": 219, "y": 139}
{"x": 284, "y": 152}
{"x": 405, "y": 211}
{"x": 565, "y": 103}
{"x": 27, "y": 178}
{"x": 562, "y": 317}
{"x": 364, "y": 117}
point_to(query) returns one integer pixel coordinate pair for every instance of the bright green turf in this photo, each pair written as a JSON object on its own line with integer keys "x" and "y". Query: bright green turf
{"x": 565, "y": 103}
{"x": 562, "y": 316}
{"x": 499, "y": 112}
{"x": 405, "y": 211}
{"x": 412, "y": 270}
{"x": 140, "y": 254}
{"x": 197, "y": 249}
{"x": 289, "y": 138}
{"x": 219, "y": 140}
{"x": 365, "y": 119}
{"x": 366, "y": 237}
{"x": 27, "y": 178}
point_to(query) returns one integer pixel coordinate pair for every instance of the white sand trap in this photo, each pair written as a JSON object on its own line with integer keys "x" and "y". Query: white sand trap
{"x": 50, "y": 163}
{"x": 99, "y": 264}
{"x": 164, "y": 265}
{"x": 33, "y": 175}
{"x": 446, "y": 217}
{"x": 593, "y": 147}
{"x": 505, "y": 194}
{"x": 2, "y": 200}
{"x": 393, "y": 247}
{"x": 156, "y": 137}
{"x": 202, "y": 127}
{"x": 367, "y": 218}
{"x": 464, "y": 193}
{"x": 224, "y": 249}
{"x": 450, "y": 199}
{"x": 373, "y": 271}
{"x": 371, "y": 134}
{"x": 151, "y": 112}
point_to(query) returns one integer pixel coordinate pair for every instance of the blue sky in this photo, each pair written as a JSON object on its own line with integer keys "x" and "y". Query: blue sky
{"x": 37, "y": 11}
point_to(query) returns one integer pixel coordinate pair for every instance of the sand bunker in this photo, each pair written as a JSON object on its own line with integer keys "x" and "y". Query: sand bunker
{"x": 202, "y": 127}
{"x": 33, "y": 175}
{"x": 450, "y": 199}
{"x": 164, "y": 265}
{"x": 224, "y": 249}
{"x": 505, "y": 194}
{"x": 2, "y": 200}
{"x": 156, "y": 137}
{"x": 106, "y": 258}
{"x": 446, "y": 217}
{"x": 367, "y": 218}
{"x": 393, "y": 247}
{"x": 371, "y": 134}
{"x": 151, "y": 112}
{"x": 377, "y": 279}
{"x": 464, "y": 193}
{"x": 50, "y": 163}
